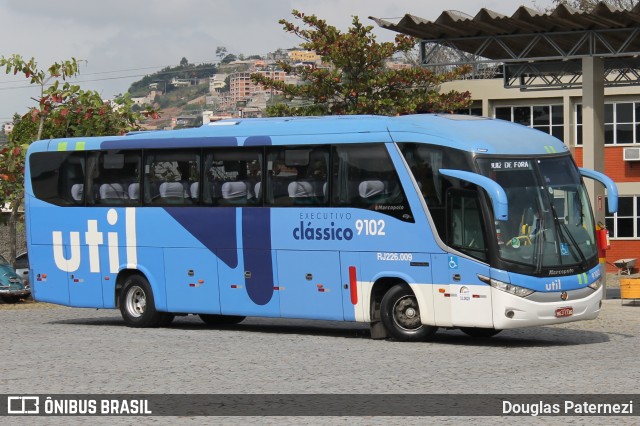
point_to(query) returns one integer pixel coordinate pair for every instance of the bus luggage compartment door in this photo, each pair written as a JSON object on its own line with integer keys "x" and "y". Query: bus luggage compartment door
{"x": 85, "y": 283}
{"x": 310, "y": 285}
{"x": 191, "y": 281}
{"x": 247, "y": 287}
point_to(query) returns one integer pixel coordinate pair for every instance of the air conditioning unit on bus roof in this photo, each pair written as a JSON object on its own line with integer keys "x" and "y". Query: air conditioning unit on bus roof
{"x": 631, "y": 154}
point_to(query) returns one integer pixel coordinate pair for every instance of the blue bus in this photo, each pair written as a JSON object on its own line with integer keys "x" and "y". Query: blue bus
{"x": 407, "y": 223}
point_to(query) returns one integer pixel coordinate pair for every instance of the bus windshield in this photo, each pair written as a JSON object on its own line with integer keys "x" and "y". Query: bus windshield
{"x": 550, "y": 222}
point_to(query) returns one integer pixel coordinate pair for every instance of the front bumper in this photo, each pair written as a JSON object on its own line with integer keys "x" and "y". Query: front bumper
{"x": 14, "y": 293}
{"x": 511, "y": 311}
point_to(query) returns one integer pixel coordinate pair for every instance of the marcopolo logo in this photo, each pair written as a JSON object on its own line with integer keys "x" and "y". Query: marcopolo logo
{"x": 94, "y": 238}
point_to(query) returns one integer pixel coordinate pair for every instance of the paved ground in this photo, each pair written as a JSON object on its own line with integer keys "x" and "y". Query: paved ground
{"x": 66, "y": 350}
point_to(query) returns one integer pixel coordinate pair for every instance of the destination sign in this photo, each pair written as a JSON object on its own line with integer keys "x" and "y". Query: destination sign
{"x": 511, "y": 165}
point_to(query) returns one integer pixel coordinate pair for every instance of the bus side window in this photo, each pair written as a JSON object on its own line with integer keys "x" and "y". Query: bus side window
{"x": 297, "y": 176}
{"x": 465, "y": 227}
{"x": 113, "y": 178}
{"x": 169, "y": 176}
{"x": 58, "y": 177}
{"x": 232, "y": 177}
{"x": 364, "y": 176}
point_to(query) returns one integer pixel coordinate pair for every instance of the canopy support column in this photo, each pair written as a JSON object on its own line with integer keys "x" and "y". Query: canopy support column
{"x": 593, "y": 129}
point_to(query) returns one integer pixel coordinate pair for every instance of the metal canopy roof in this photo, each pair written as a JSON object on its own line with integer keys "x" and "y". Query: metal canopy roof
{"x": 559, "y": 38}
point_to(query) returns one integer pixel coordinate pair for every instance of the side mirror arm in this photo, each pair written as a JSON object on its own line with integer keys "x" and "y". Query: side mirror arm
{"x": 496, "y": 193}
{"x": 612, "y": 189}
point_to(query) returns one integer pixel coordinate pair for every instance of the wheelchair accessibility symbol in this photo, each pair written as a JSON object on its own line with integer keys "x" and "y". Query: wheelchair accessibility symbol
{"x": 453, "y": 262}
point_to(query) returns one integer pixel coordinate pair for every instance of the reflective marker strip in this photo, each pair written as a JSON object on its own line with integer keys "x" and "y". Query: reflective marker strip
{"x": 353, "y": 285}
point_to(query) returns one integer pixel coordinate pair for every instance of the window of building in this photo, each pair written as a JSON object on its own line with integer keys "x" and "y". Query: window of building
{"x": 626, "y": 222}
{"x": 546, "y": 118}
{"x": 470, "y": 111}
{"x": 621, "y": 123}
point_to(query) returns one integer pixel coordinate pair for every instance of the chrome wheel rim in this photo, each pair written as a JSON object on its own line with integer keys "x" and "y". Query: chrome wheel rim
{"x": 406, "y": 314}
{"x": 136, "y": 301}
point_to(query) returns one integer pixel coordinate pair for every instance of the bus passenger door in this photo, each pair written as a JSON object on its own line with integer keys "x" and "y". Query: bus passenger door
{"x": 310, "y": 284}
{"x": 191, "y": 277}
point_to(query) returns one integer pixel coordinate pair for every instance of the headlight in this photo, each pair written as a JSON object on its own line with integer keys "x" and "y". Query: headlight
{"x": 510, "y": 288}
{"x": 596, "y": 284}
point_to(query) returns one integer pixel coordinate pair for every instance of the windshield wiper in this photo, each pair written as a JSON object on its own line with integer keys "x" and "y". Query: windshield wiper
{"x": 567, "y": 232}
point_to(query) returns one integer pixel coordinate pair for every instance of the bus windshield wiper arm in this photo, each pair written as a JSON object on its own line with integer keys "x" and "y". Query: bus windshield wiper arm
{"x": 567, "y": 232}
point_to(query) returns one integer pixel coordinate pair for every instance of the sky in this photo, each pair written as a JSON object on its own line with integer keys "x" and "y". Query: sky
{"x": 119, "y": 41}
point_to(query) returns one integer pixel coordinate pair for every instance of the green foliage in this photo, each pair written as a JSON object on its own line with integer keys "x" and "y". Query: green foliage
{"x": 358, "y": 81}
{"x": 62, "y": 110}
{"x": 229, "y": 58}
{"x": 163, "y": 77}
{"x": 221, "y": 52}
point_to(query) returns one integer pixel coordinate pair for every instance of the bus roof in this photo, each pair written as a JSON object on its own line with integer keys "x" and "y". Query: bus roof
{"x": 469, "y": 133}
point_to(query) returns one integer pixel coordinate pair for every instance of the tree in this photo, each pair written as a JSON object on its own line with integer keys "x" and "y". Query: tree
{"x": 62, "y": 110}
{"x": 229, "y": 58}
{"x": 184, "y": 62}
{"x": 357, "y": 80}
{"x": 221, "y": 52}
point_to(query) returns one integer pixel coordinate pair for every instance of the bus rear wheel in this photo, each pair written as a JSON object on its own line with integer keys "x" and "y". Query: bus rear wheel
{"x": 479, "y": 332}
{"x": 137, "y": 305}
{"x": 212, "y": 319}
{"x": 400, "y": 315}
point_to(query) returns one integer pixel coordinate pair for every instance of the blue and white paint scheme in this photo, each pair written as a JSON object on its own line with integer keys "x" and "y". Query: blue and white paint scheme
{"x": 326, "y": 262}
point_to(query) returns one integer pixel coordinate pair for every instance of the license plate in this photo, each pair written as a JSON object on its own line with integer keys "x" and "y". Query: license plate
{"x": 564, "y": 312}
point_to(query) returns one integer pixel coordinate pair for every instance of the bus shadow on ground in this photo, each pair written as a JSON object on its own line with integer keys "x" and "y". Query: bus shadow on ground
{"x": 517, "y": 338}
{"x": 527, "y": 338}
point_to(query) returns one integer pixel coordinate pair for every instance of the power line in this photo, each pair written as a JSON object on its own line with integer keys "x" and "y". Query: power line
{"x": 159, "y": 73}
{"x": 160, "y": 67}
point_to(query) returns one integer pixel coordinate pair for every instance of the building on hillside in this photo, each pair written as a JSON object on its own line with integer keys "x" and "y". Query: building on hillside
{"x": 559, "y": 113}
{"x": 180, "y": 82}
{"x": 210, "y": 117}
{"x": 242, "y": 88}
{"x": 303, "y": 56}
{"x": 7, "y": 128}
{"x": 217, "y": 83}
{"x": 398, "y": 65}
{"x": 146, "y": 100}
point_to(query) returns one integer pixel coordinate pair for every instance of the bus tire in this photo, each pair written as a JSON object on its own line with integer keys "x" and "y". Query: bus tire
{"x": 479, "y": 332}
{"x": 212, "y": 319}
{"x": 400, "y": 315}
{"x": 137, "y": 305}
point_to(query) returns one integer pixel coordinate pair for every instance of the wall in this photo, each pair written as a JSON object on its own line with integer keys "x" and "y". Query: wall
{"x": 4, "y": 237}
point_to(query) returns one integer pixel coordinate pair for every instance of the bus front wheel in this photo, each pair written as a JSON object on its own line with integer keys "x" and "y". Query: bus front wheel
{"x": 400, "y": 315}
{"x": 137, "y": 305}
